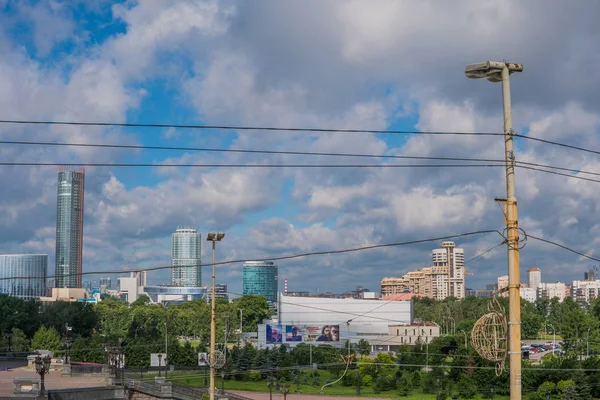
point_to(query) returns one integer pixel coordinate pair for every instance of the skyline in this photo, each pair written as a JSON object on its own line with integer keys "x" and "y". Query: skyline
{"x": 205, "y": 63}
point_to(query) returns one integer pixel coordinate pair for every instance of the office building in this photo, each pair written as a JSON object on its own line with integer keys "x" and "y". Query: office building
{"x": 87, "y": 285}
{"x": 23, "y": 275}
{"x": 260, "y": 278}
{"x": 590, "y": 275}
{"x": 534, "y": 277}
{"x": 69, "y": 227}
{"x": 186, "y": 258}
{"x": 140, "y": 276}
{"x": 105, "y": 284}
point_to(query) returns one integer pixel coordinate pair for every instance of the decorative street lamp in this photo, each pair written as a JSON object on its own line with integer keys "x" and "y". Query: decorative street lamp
{"x": 159, "y": 358}
{"x": 68, "y": 342}
{"x": 42, "y": 367}
{"x": 271, "y": 382}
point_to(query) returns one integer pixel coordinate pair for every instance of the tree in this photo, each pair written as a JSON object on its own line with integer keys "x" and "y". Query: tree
{"x": 254, "y": 310}
{"x": 404, "y": 386}
{"x": 570, "y": 393}
{"x": 546, "y": 387}
{"x": 46, "y": 339}
{"x": 18, "y": 341}
{"x": 364, "y": 348}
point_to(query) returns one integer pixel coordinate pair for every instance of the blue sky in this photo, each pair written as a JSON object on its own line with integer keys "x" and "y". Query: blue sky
{"x": 324, "y": 64}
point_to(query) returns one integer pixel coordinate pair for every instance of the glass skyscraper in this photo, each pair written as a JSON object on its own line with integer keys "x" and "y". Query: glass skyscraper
{"x": 23, "y": 275}
{"x": 69, "y": 227}
{"x": 186, "y": 258}
{"x": 260, "y": 278}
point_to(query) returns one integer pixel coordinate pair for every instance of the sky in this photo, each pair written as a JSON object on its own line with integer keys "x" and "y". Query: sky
{"x": 331, "y": 64}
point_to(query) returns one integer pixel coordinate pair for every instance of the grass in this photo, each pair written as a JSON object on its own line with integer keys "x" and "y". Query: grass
{"x": 196, "y": 379}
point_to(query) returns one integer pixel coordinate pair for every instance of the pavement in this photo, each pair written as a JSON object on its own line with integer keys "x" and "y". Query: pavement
{"x": 278, "y": 396}
{"x": 54, "y": 380}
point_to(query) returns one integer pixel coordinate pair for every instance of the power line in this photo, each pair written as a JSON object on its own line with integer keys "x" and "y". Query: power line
{"x": 146, "y": 165}
{"x": 220, "y": 150}
{"x": 279, "y": 258}
{"x": 245, "y": 128}
{"x": 563, "y": 247}
{"x": 560, "y": 173}
{"x": 485, "y": 252}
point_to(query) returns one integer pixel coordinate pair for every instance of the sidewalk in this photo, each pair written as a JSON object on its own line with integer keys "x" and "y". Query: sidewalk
{"x": 54, "y": 380}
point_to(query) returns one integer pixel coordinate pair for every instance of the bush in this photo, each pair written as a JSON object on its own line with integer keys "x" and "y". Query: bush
{"x": 404, "y": 386}
{"x": 367, "y": 380}
{"x": 546, "y": 387}
{"x": 350, "y": 378}
{"x": 416, "y": 379}
{"x": 255, "y": 376}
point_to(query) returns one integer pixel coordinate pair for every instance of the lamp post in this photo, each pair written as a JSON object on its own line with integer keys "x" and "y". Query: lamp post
{"x": 587, "y": 344}
{"x": 214, "y": 238}
{"x": 166, "y": 348}
{"x": 495, "y": 71}
{"x": 453, "y": 325}
{"x": 159, "y": 370}
{"x": 466, "y": 344}
{"x": 554, "y": 337}
{"x": 241, "y": 325}
{"x": 271, "y": 382}
{"x": 42, "y": 367}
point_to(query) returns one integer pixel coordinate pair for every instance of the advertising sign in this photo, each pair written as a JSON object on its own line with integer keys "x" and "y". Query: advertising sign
{"x": 202, "y": 359}
{"x": 274, "y": 334}
{"x": 324, "y": 333}
{"x": 293, "y": 333}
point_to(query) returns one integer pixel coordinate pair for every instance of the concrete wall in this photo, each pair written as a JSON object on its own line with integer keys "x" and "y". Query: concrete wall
{"x": 89, "y": 393}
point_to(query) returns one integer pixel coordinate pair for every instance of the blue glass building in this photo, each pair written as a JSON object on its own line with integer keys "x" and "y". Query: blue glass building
{"x": 186, "y": 257}
{"x": 69, "y": 227}
{"x": 260, "y": 278}
{"x": 23, "y": 275}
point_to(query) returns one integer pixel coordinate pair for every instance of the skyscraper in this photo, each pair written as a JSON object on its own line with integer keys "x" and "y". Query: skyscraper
{"x": 69, "y": 227}
{"x": 534, "y": 277}
{"x": 23, "y": 275}
{"x": 260, "y": 278}
{"x": 453, "y": 259}
{"x": 186, "y": 258}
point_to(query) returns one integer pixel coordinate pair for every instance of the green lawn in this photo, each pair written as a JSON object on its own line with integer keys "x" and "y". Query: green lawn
{"x": 196, "y": 379}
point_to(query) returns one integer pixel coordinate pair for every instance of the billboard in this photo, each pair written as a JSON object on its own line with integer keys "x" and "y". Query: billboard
{"x": 274, "y": 334}
{"x": 154, "y": 360}
{"x": 293, "y": 333}
{"x": 322, "y": 333}
{"x": 202, "y": 359}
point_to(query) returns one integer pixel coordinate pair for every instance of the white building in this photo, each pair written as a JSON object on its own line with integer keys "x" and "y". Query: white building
{"x": 529, "y": 294}
{"x": 534, "y": 277}
{"x": 453, "y": 259}
{"x": 503, "y": 284}
{"x": 318, "y": 320}
{"x": 128, "y": 289}
{"x": 552, "y": 290}
{"x": 585, "y": 291}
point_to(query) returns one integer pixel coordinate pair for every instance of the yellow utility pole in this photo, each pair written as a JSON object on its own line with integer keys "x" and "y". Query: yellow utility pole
{"x": 214, "y": 238}
{"x": 499, "y": 72}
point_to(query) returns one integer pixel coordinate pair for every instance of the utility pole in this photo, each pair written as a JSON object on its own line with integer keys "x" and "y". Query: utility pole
{"x": 500, "y": 72}
{"x": 214, "y": 238}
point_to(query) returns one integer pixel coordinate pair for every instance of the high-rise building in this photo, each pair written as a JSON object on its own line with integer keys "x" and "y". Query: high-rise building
{"x": 590, "y": 275}
{"x": 69, "y": 227}
{"x": 534, "y": 277}
{"x": 186, "y": 258}
{"x": 453, "y": 259}
{"x": 260, "y": 278}
{"x": 87, "y": 285}
{"x": 105, "y": 284}
{"x": 140, "y": 276}
{"x": 23, "y": 275}
{"x": 551, "y": 290}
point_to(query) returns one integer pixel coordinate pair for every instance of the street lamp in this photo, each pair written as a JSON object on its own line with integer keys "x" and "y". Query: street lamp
{"x": 271, "y": 382}
{"x": 495, "y": 71}
{"x": 587, "y": 344}
{"x": 554, "y": 337}
{"x": 42, "y": 367}
{"x": 213, "y": 237}
{"x": 466, "y": 344}
{"x": 159, "y": 370}
{"x": 68, "y": 342}
{"x": 166, "y": 348}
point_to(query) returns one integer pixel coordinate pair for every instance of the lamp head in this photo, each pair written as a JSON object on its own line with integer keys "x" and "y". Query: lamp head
{"x": 491, "y": 70}
{"x": 215, "y": 236}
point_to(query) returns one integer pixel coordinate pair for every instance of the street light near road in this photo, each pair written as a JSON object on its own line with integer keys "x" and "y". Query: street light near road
{"x": 554, "y": 337}
{"x": 213, "y": 237}
{"x": 495, "y": 71}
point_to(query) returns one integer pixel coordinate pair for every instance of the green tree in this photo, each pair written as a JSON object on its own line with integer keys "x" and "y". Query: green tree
{"x": 546, "y": 387}
{"x": 88, "y": 350}
{"x": 18, "y": 340}
{"x": 404, "y": 386}
{"x": 574, "y": 330}
{"x": 364, "y": 348}
{"x": 254, "y": 310}
{"x": 46, "y": 339}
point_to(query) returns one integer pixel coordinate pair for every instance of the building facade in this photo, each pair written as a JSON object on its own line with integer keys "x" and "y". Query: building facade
{"x": 501, "y": 285}
{"x": 443, "y": 279}
{"x": 69, "y": 227}
{"x": 260, "y": 278}
{"x": 186, "y": 258}
{"x": 105, "y": 284}
{"x": 585, "y": 291}
{"x": 528, "y": 293}
{"x": 551, "y": 290}
{"x": 534, "y": 277}
{"x": 23, "y": 275}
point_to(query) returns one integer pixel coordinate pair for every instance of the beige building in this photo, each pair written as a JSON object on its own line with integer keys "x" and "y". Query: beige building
{"x": 503, "y": 284}
{"x": 420, "y": 332}
{"x": 438, "y": 281}
{"x": 65, "y": 294}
